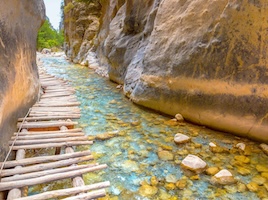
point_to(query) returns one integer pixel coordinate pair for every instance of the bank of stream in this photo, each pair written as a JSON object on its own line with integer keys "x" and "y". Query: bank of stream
{"x": 144, "y": 162}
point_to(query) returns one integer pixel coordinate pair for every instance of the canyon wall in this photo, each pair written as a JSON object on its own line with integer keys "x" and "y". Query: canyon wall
{"x": 204, "y": 59}
{"x": 19, "y": 86}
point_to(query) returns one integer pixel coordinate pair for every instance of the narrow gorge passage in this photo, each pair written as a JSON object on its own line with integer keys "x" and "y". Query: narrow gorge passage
{"x": 138, "y": 146}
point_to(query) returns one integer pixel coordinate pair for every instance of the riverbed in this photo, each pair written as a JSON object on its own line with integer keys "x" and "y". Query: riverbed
{"x": 129, "y": 139}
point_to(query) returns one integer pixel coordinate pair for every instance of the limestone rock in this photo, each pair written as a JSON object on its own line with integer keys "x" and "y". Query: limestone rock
{"x": 194, "y": 164}
{"x": 180, "y": 138}
{"x": 19, "y": 87}
{"x": 223, "y": 177}
{"x": 264, "y": 147}
{"x": 240, "y": 146}
{"x": 179, "y": 117}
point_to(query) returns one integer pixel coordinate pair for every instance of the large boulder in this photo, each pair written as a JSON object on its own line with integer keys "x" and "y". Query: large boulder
{"x": 19, "y": 84}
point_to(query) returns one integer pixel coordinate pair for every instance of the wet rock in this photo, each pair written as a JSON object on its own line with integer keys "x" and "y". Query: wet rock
{"x": 265, "y": 175}
{"x": 148, "y": 191}
{"x": 243, "y": 171}
{"x": 240, "y": 146}
{"x": 181, "y": 184}
{"x": 165, "y": 155}
{"x": 135, "y": 123}
{"x": 262, "y": 168}
{"x": 179, "y": 117}
{"x": 212, "y": 170}
{"x": 212, "y": 145}
{"x": 253, "y": 187}
{"x": 264, "y": 148}
{"x": 130, "y": 165}
{"x": 171, "y": 122}
{"x": 242, "y": 159}
{"x": 259, "y": 180}
{"x": 171, "y": 178}
{"x": 194, "y": 164}
{"x": 170, "y": 186}
{"x": 154, "y": 181}
{"x": 180, "y": 138}
{"x": 119, "y": 87}
{"x": 223, "y": 177}
{"x": 216, "y": 149}
{"x": 241, "y": 187}
{"x": 106, "y": 136}
{"x": 195, "y": 177}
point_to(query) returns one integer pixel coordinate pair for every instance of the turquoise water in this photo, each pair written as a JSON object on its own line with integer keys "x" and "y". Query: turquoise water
{"x": 132, "y": 156}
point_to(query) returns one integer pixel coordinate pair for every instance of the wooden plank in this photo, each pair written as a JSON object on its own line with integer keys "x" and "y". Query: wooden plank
{"x": 49, "y": 178}
{"x": 46, "y": 136}
{"x": 50, "y": 145}
{"x": 66, "y": 192}
{"x": 58, "y": 114}
{"x": 77, "y": 116}
{"x": 44, "y": 166}
{"x": 75, "y": 130}
{"x": 51, "y": 140}
{"x": 90, "y": 195}
{"x": 57, "y": 104}
{"x": 46, "y": 172}
{"x": 42, "y": 159}
{"x": 55, "y": 95}
{"x": 47, "y": 108}
{"x": 45, "y": 124}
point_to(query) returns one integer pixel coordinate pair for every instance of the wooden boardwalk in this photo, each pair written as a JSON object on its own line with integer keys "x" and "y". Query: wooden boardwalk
{"x": 48, "y": 125}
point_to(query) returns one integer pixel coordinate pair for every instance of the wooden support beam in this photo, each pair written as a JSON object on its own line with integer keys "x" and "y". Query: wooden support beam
{"x": 46, "y": 172}
{"x": 49, "y": 178}
{"x": 52, "y": 140}
{"x": 46, "y": 124}
{"x": 49, "y": 145}
{"x": 43, "y": 159}
{"x": 44, "y": 166}
{"x": 74, "y": 116}
{"x": 66, "y": 192}
{"x": 47, "y": 136}
{"x": 90, "y": 195}
{"x": 57, "y": 105}
{"x": 75, "y": 130}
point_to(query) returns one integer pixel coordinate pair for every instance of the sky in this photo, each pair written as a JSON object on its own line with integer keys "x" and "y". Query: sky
{"x": 53, "y": 12}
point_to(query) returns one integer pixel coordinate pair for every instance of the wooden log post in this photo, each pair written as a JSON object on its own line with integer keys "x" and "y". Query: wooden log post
{"x": 16, "y": 193}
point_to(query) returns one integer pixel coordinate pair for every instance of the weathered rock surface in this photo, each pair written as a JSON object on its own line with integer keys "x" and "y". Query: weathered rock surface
{"x": 180, "y": 138}
{"x": 19, "y": 84}
{"x": 204, "y": 59}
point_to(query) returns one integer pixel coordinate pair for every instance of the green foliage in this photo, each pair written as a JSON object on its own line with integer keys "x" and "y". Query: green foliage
{"x": 49, "y": 37}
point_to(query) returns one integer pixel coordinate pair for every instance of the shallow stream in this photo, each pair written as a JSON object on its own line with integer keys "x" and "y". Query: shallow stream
{"x": 135, "y": 168}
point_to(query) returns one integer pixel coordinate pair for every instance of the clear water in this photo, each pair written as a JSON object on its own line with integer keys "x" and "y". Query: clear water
{"x": 133, "y": 158}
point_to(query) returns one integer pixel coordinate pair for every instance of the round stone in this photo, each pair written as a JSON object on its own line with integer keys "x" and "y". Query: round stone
{"x": 240, "y": 146}
{"x": 223, "y": 177}
{"x": 165, "y": 155}
{"x": 180, "y": 138}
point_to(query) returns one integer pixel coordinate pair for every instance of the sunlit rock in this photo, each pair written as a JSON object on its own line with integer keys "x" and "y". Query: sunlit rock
{"x": 180, "y": 138}
{"x": 170, "y": 186}
{"x": 241, "y": 187}
{"x": 262, "y": 168}
{"x": 154, "y": 181}
{"x": 240, "y": 146}
{"x": 179, "y": 117}
{"x": 243, "y": 171}
{"x": 212, "y": 170}
{"x": 193, "y": 163}
{"x": 264, "y": 147}
{"x": 259, "y": 180}
{"x": 223, "y": 177}
{"x": 253, "y": 187}
{"x": 181, "y": 184}
{"x": 242, "y": 159}
{"x": 171, "y": 178}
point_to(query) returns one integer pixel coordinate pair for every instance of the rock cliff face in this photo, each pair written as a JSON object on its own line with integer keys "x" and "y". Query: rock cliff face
{"x": 204, "y": 59}
{"x": 19, "y": 23}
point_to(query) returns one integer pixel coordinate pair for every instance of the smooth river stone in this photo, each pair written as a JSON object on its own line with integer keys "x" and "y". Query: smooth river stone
{"x": 181, "y": 138}
{"x": 194, "y": 164}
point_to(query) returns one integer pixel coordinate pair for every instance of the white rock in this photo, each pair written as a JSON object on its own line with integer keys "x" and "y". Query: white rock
{"x": 223, "y": 177}
{"x": 211, "y": 144}
{"x": 193, "y": 163}
{"x": 179, "y": 117}
{"x": 223, "y": 173}
{"x": 264, "y": 147}
{"x": 241, "y": 146}
{"x": 181, "y": 138}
